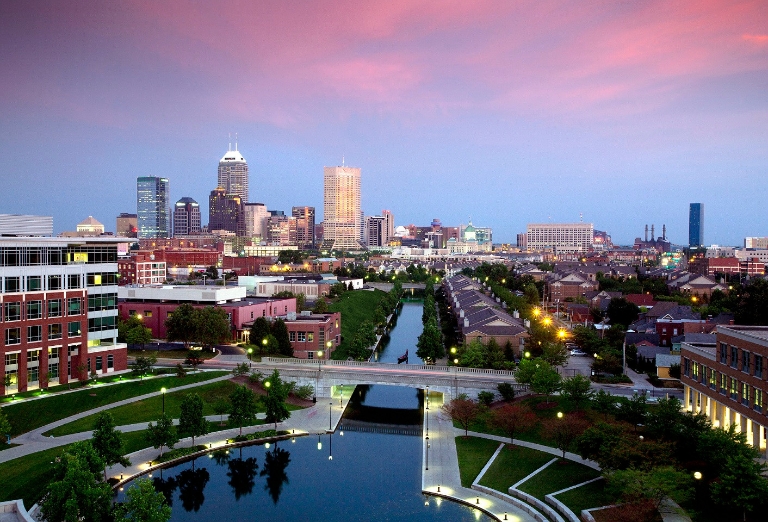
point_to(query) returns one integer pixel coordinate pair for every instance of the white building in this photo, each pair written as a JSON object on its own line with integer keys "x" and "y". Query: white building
{"x": 233, "y": 174}
{"x": 560, "y": 237}
{"x": 342, "y": 217}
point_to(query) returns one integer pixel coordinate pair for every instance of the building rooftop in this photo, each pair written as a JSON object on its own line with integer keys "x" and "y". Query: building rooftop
{"x": 757, "y": 332}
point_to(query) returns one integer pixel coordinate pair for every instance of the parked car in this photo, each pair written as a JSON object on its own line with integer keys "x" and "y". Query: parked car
{"x": 578, "y": 353}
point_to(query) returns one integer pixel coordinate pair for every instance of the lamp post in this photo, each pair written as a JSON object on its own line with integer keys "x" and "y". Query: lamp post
{"x": 163, "y": 390}
{"x": 330, "y": 410}
{"x": 250, "y": 351}
{"x": 341, "y": 396}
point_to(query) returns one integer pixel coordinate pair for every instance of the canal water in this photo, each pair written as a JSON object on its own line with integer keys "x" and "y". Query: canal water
{"x": 404, "y": 336}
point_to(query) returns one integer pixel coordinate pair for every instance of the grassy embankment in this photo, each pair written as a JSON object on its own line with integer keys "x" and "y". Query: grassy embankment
{"x": 355, "y": 307}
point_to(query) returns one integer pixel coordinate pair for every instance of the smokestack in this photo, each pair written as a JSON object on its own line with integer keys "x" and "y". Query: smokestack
{"x": 646, "y": 233}
{"x": 664, "y": 232}
{"x": 653, "y": 234}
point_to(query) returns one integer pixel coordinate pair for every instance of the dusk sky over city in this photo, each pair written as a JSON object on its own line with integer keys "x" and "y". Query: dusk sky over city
{"x": 505, "y": 112}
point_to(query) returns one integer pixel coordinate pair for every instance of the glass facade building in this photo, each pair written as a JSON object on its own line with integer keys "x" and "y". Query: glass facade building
{"x": 696, "y": 225}
{"x": 152, "y": 206}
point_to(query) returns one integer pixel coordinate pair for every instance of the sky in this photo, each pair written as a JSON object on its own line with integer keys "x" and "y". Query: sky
{"x": 617, "y": 113}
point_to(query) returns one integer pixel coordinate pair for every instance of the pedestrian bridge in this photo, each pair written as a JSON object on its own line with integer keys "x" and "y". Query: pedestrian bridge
{"x": 325, "y": 376}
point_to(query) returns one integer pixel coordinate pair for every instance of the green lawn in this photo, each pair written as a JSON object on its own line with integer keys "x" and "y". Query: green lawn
{"x": 557, "y": 476}
{"x": 589, "y": 496}
{"x": 513, "y": 464}
{"x": 25, "y": 416}
{"x": 473, "y": 454}
{"x": 355, "y": 307}
{"x": 26, "y": 477}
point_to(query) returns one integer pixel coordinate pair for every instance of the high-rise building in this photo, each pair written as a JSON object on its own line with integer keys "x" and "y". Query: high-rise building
{"x": 152, "y": 206}
{"x": 256, "y": 215}
{"x": 225, "y": 212}
{"x": 560, "y": 237}
{"x": 233, "y": 174}
{"x": 696, "y": 225}
{"x": 281, "y": 230}
{"x": 389, "y": 226}
{"x": 186, "y": 217}
{"x": 127, "y": 225}
{"x": 375, "y": 231}
{"x": 342, "y": 219}
{"x": 305, "y": 226}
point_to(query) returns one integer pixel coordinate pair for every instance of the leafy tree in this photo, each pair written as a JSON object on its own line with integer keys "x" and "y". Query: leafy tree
{"x": 162, "y": 434}
{"x": 242, "y": 407}
{"x": 578, "y": 390}
{"x": 514, "y": 418}
{"x": 108, "y": 442}
{"x": 655, "y": 484}
{"x": 241, "y": 369}
{"x": 221, "y": 408}
{"x": 462, "y": 410}
{"x": 633, "y": 410}
{"x": 260, "y": 330}
{"x": 741, "y": 485}
{"x": 138, "y": 335}
{"x": 545, "y": 379}
{"x": 76, "y": 492}
{"x": 321, "y": 306}
{"x": 430, "y": 344}
{"x": 143, "y": 364}
{"x": 473, "y": 355}
{"x": 620, "y": 311}
{"x": 144, "y": 504}
{"x": 485, "y": 398}
{"x": 752, "y": 307}
{"x": 531, "y": 294}
{"x": 564, "y": 432}
{"x": 5, "y": 424}
{"x": 274, "y": 402}
{"x": 213, "y": 326}
{"x": 554, "y": 353}
{"x": 193, "y": 359}
{"x": 525, "y": 370}
{"x": 280, "y": 331}
{"x": 181, "y": 325}
{"x": 506, "y": 390}
{"x": 124, "y": 326}
{"x": 192, "y": 422}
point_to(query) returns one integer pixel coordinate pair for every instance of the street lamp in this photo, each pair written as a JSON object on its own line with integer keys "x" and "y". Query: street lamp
{"x": 330, "y": 409}
{"x": 559, "y": 414}
{"x": 163, "y": 390}
{"x": 341, "y": 396}
{"x": 250, "y": 351}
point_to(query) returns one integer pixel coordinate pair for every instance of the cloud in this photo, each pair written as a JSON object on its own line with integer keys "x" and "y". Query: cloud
{"x": 758, "y": 39}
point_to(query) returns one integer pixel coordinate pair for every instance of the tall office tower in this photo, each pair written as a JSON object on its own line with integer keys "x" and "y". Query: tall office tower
{"x": 186, "y": 217}
{"x": 375, "y": 230}
{"x": 305, "y": 226}
{"x": 281, "y": 230}
{"x": 696, "y": 225}
{"x": 233, "y": 174}
{"x": 342, "y": 223}
{"x": 152, "y": 207}
{"x": 389, "y": 226}
{"x": 256, "y": 215}
{"x": 225, "y": 212}
{"x": 126, "y": 225}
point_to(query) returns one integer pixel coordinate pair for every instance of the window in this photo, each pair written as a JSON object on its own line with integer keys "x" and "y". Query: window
{"x": 33, "y": 356}
{"x": 73, "y": 329}
{"x": 712, "y": 379}
{"x": 110, "y": 361}
{"x": 687, "y": 367}
{"x": 73, "y": 281}
{"x": 734, "y": 357}
{"x": 98, "y": 364}
{"x": 94, "y": 279}
{"x": 310, "y": 336}
{"x": 12, "y": 359}
{"x": 745, "y": 394}
{"x": 759, "y": 366}
{"x": 54, "y": 331}
{"x": 34, "y": 334}
{"x": 98, "y": 324}
{"x": 734, "y": 388}
{"x": 33, "y": 374}
{"x": 54, "y": 308}
{"x": 147, "y": 313}
{"x": 12, "y": 377}
{"x": 321, "y": 336}
{"x": 310, "y": 355}
{"x": 54, "y": 282}
{"x": 74, "y": 306}
{"x": 12, "y": 284}
{"x": 12, "y": 336}
{"x": 723, "y": 383}
{"x": 34, "y": 284}
{"x": 53, "y": 352}
{"x": 34, "y": 309}
{"x": 13, "y": 311}
{"x": 53, "y": 371}
{"x": 302, "y": 337}
{"x": 758, "y": 400}
{"x": 73, "y": 349}
{"x": 745, "y": 361}
{"x": 292, "y": 336}
{"x": 723, "y": 353}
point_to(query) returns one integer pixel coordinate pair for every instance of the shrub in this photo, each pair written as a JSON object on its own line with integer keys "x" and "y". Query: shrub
{"x": 255, "y": 377}
{"x": 304, "y": 392}
{"x": 485, "y": 397}
{"x": 506, "y": 390}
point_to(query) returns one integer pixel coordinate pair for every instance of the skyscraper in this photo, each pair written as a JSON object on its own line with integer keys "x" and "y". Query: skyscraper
{"x": 152, "y": 207}
{"x": 233, "y": 174}
{"x": 342, "y": 219}
{"x": 186, "y": 217}
{"x": 305, "y": 226}
{"x": 696, "y": 225}
{"x": 225, "y": 212}
{"x": 256, "y": 215}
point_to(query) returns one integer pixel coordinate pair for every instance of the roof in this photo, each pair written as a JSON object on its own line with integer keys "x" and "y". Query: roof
{"x": 232, "y": 156}
{"x": 91, "y": 222}
{"x": 665, "y": 361}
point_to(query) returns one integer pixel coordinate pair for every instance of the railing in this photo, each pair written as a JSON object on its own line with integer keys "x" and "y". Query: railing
{"x": 383, "y": 366}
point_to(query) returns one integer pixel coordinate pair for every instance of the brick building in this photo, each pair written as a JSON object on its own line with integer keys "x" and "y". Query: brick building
{"x": 312, "y": 336}
{"x": 141, "y": 269}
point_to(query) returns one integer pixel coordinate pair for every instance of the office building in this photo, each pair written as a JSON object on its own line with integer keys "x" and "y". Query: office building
{"x": 233, "y": 174}
{"x": 389, "y": 227}
{"x": 126, "y": 225}
{"x": 90, "y": 226}
{"x": 696, "y": 225}
{"x": 153, "y": 207}
{"x": 305, "y": 226}
{"x": 186, "y": 217}
{"x": 560, "y": 237}
{"x": 342, "y": 217}
{"x": 58, "y": 298}
{"x": 141, "y": 269}
{"x": 375, "y": 231}
{"x": 281, "y": 230}
{"x": 25, "y": 225}
{"x": 225, "y": 212}
{"x": 256, "y": 215}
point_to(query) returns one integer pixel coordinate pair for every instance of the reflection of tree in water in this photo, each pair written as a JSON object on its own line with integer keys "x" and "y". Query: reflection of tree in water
{"x": 275, "y": 463}
{"x": 241, "y": 476}
{"x": 220, "y": 457}
{"x": 192, "y": 483}
{"x": 166, "y": 487}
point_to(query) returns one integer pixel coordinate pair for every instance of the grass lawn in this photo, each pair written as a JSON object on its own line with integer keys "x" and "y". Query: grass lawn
{"x": 589, "y": 496}
{"x": 26, "y": 416}
{"x": 473, "y": 454}
{"x": 355, "y": 307}
{"x": 513, "y": 464}
{"x": 557, "y": 476}
{"x": 26, "y": 477}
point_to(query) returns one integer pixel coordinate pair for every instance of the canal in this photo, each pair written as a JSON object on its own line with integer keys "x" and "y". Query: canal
{"x": 404, "y": 336}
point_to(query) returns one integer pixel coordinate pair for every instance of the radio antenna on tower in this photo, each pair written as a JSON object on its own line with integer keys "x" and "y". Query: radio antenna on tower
{"x": 581, "y": 217}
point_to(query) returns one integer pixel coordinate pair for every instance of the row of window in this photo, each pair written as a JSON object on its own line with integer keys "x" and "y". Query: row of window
{"x": 33, "y": 373}
{"x": 36, "y": 283}
{"x": 737, "y": 390}
{"x": 741, "y": 359}
{"x": 35, "y": 333}
{"x": 31, "y": 310}
{"x": 40, "y": 256}
{"x": 33, "y": 356}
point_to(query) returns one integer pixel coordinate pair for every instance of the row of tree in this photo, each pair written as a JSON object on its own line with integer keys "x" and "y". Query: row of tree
{"x": 430, "y": 346}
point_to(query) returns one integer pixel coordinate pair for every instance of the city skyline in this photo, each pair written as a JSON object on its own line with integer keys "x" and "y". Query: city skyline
{"x": 511, "y": 113}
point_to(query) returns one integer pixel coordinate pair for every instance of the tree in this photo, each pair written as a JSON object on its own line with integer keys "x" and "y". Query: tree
{"x": 138, "y": 335}
{"x": 633, "y": 410}
{"x": 274, "y": 402}
{"x": 181, "y": 325}
{"x": 622, "y": 312}
{"x": 546, "y": 380}
{"x": 143, "y": 364}
{"x": 430, "y": 343}
{"x": 193, "y": 359}
{"x": 242, "y": 407}
{"x": 525, "y": 370}
{"x": 514, "y": 418}
{"x": 301, "y": 301}
{"x": 554, "y": 353}
{"x": 259, "y": 331}
{"x": 241, "y": 369}
{"x": 461, "y": 410}
{"x": 655, "y": 485}
{"x": 564, "y": 431}
{"x": 213, "y": 326}
{"x": 473, "y": 355}
{"x": 144, "y": 504}
{"x": 506, "y": 390}
{"x": 5, "y": 424}
{"x": 76, "y": 492}
{"x": 578, "y": 390}
{"x": 605, "y": 403}
{"x": 321, "y": 305}
{"x": 741, "y": 485}
{"x": 221, "y": 407}
{"x": 162, "y": 434}
{"x": 280, "y": 331}
{"x": 108, "y": 442}
{"x": 192, "y": 422}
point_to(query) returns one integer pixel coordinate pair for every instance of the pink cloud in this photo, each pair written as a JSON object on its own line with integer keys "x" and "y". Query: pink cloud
{"x": 759, "y": 39}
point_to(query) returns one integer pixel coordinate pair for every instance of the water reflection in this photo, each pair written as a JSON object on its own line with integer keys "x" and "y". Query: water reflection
{"x": 242, "y": 475}
{"x": 165, "y": 486}
{"x": 191, "y": 484}
{"x": 275, "y": 462}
